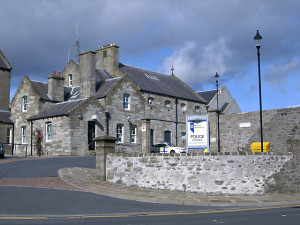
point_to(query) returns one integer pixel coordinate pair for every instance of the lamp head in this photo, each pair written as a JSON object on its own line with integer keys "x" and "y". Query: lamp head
{"x": 257, "y": 38}
{"x": 217, "y": 77}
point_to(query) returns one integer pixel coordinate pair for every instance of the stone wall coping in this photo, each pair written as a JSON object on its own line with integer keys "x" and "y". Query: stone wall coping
{"x": 211, "y": 154}
{"x": 105, "y": 138}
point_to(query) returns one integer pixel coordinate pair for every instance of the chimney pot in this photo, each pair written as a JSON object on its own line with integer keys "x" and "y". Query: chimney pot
{"x": 53, "y": 73}
{"x": 58, "y": 73}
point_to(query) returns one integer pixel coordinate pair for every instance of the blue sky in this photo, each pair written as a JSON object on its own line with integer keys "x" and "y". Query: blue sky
{"x": 197, "y": 37}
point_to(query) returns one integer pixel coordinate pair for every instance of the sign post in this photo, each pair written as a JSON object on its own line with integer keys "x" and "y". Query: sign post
{"x": 197, "y": 132}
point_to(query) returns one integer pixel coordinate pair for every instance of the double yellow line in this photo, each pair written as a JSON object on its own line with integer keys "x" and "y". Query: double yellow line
{"x": 138, "y": 215}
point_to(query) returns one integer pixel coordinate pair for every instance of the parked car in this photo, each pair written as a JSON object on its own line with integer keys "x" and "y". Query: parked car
{"x": 1, "y": 150}
{"x": 166, "y": 148}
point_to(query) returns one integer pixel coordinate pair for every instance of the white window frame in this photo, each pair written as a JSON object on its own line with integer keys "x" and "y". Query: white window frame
{"x": 70, "y": 80}
{"x": 150, "y": 100}
{"x": 23, "y": 135}
{"x": 24, "y": 103}
{"x": 48, "y": 132}
{"x": 183, "y": 106}
{"x": 9, "y": 135}
{"x": 132, "y": 134}
{"x": 168, "y": 103}
{"x": 126, "y": 101}
{"x": 183, "y": 135}
{"x": 120, "y": 133}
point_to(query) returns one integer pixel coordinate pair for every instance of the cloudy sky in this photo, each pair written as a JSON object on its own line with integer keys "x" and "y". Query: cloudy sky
{"x": 197, "y": 37}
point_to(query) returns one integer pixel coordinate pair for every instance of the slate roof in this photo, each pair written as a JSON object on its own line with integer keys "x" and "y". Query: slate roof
{"x": 58, "y": 109}
{"x": 103, "y": 74}
{"x": 207, "y": 95}
{"x": 42, "y": 89}
{"x": 5, "y": 117}
{"x": 4, "y": 64}
{"x": 70, "y": 93}
{"x": 105, "y": 86}
{"x": 158, "y": 83}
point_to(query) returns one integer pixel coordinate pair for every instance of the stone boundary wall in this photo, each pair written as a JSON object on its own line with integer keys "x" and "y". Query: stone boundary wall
{"x": 239, "y": 131}
{"x": 213, "y": 173}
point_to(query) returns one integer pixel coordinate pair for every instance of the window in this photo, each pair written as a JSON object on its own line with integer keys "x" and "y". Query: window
{"x": 183, "y": 106}
{"x": 197, "y": 108}
{"x": 120, "y": 135}
{"x": 150, "y": 101}
{"x": 183, "y": 134}
{"x": 167, "y": 103}
{"x": 126, "y": 101}
{"x": 48, "y": 131}
{"x": 70, "y": 79}
{"x": 132, "y": 134}
{"x": 23, "y": 133}
{"x": 9, "y": 135}
{"x": 104, "y": 54}
{"x": 24, "y": 103}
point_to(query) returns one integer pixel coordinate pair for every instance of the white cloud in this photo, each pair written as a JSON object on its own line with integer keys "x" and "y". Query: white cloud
{"x": 196, "y": 66}
{"x": 279, "y": 71}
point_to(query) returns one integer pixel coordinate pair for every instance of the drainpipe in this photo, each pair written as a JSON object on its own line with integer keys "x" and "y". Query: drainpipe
{"x": 31, "y": 133}
{"x": 176, "y": 123}
{"x": 107, "y": 122}
{"x": 13, "y": 140}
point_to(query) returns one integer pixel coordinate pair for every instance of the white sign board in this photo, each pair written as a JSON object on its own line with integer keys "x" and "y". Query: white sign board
{"x": 143, "y": 128}
{"x": 245, "y": 124}
{"x": 197, "y": 132}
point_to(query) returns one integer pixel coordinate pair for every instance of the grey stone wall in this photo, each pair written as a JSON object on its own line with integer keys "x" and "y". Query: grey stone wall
{"x": 71, "y": 68}
{"x": 229, "y": 173}
{"x": 5, "y": 89}
{"x": 161, "y": 118}
{"x": 238, "y": 131}
{"x": 19, "y": 117}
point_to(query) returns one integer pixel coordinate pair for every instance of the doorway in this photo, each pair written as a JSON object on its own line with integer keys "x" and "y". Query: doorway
{"x": 91, "y": 135}
{"x": 151, "y": 137}
{"x": 167, "y": 136}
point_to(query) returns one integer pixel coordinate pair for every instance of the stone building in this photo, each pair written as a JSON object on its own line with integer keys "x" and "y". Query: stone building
{"x": 101, "y": 96}
{"x": 227, "y": 104}
{"x": 6, "y": 124}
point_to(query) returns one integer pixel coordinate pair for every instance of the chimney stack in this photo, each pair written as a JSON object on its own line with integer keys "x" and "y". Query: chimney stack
{"x": 107, "y": 57}
{"x": 87, "y": 74}
{"x": 56, "y": 87}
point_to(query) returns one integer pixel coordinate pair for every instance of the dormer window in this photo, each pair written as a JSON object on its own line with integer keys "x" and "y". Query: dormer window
{"x": 70, "y": 80}
{"x": 167, "y": 103}
{"x": 150, "y": 100}
{"x": 24, "y": 103}
{"x": 126, "y": 101}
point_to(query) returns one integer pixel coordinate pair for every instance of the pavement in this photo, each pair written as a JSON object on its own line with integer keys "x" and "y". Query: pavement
{"x": 86, "y": 179}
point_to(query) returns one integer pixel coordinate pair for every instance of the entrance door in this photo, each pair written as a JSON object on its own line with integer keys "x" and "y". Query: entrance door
{"x": 167, "y": 136}
{"x": 151, "y": 137}
{"x": 91, "y": 134}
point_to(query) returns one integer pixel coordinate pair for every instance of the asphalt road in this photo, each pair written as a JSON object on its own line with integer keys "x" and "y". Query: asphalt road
{"x": 32, "y": 205}
{"x": 44, "y": 167}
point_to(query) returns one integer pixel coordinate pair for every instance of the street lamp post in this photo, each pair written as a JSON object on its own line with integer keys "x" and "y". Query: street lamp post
{"x": 257, "y": 39}
{"x": 218, "y": 112}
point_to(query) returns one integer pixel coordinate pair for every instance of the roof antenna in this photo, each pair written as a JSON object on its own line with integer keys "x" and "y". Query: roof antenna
{"x": 76, "y": 46}
{"x": 69, "y": 54}
{"x": 172, "y": 69}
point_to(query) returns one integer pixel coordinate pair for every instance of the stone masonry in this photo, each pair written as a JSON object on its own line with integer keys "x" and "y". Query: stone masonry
{"x": 238, "y": 131}
{"x": 228, "y": 173}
